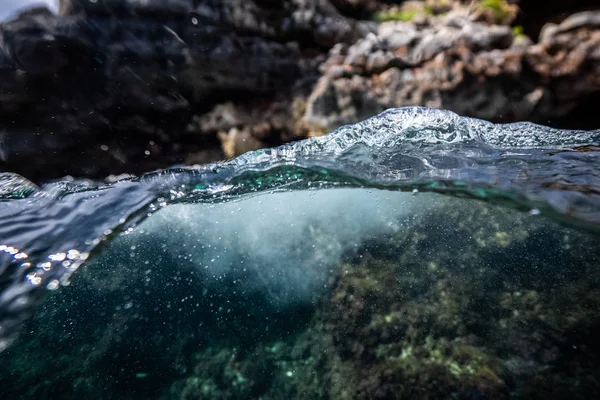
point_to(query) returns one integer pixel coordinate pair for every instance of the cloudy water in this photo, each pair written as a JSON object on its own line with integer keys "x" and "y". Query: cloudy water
{"x": 417, "y": 254}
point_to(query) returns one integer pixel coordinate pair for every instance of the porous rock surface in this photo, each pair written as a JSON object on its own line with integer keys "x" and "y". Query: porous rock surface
{"x": 456, "y": 63}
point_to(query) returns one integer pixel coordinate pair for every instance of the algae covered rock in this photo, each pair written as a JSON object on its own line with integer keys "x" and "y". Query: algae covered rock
{"x": 460, "y": 299}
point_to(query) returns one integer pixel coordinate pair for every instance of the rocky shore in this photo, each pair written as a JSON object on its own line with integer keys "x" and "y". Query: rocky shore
{"x": 122, "y": 86}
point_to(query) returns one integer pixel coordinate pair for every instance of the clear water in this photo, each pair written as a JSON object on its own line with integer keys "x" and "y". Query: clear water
{"x": 415, "y": 255}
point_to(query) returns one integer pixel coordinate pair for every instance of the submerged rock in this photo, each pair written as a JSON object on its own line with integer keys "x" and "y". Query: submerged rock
{"x": 462, "y": 300}
{"x": 464, "y": 309}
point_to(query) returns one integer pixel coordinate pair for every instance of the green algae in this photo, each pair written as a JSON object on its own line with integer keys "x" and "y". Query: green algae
{"x": 471, "y": 301}
{"x": 401, "y": 322}
{"x": 400, "y": 15}
{"x": 500, "y": 8}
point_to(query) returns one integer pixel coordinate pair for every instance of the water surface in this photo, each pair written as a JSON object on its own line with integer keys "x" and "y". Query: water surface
{"x": 416, "y": 254}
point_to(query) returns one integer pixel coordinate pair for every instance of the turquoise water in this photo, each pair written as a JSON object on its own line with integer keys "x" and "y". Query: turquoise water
{"x": 415, "y": 255}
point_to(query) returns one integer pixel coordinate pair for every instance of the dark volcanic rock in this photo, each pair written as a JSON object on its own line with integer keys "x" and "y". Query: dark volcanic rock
{"x": 537, "y": 13}
{"x": 567, "y": 59}
{"x": 110, "y": 86}
{"x": 124, "y": 86}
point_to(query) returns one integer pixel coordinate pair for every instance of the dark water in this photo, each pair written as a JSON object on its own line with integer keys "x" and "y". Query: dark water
{"x": 414, "y": 255}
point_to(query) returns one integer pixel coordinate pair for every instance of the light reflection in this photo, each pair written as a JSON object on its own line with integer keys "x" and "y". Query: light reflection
{"x": 13, "y": 251}
{"x": 75, "y": 255}
{"x": 57, "y": 256}
{"x": 175, "y": 194}
{"x": 70, "y": 260}
{"x": 46, "y": 266}
{"x": 53, "y": 285}
{"x": 34, "y": 279}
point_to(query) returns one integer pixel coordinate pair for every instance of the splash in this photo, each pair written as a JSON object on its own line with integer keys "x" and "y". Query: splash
{"x": 47, "y": 233}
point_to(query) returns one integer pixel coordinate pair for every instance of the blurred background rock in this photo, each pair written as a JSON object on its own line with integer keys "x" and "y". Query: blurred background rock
{"x": 91, "y": 88}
